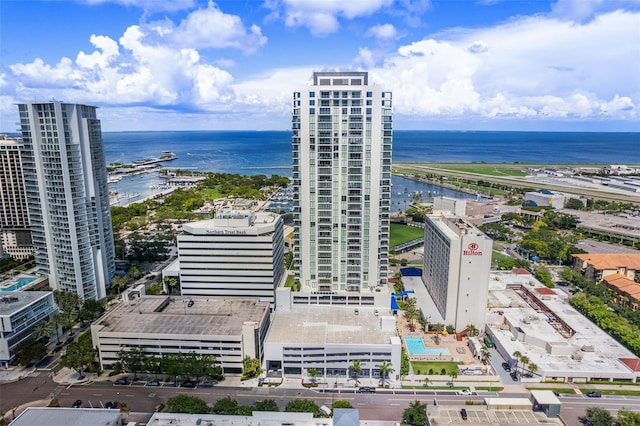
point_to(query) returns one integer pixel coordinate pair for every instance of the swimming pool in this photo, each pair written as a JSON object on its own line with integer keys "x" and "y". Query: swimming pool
{"x": 415, "y": 346}
{"x": 20, "y": 282}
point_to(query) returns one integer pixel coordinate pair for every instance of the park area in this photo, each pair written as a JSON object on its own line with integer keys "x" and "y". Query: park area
{"x": 399, "y": 234}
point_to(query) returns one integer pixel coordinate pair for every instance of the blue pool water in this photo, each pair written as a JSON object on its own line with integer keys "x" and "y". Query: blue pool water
{"x": 415, "y": 346}
{"x": 20, "y": 282}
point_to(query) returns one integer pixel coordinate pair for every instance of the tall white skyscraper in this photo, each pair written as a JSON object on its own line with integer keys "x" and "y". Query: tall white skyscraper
{"x": 342, "y": 137}
{"x": 66, "y": 183}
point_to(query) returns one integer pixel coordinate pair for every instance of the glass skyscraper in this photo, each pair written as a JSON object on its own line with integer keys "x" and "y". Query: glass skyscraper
{"x": 342, "y": 138}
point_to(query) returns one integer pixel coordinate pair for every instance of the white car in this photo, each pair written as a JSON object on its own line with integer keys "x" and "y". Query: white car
{"x": 465, "y": 392}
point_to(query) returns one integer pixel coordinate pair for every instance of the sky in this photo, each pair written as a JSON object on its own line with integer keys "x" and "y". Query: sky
{"x": 547, "y": 65}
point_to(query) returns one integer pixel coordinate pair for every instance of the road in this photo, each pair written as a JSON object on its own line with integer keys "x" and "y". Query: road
{"x": 380, "y": 406}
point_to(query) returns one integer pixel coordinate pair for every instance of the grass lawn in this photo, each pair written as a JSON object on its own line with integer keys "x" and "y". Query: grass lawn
{"x": 559, "y": 390}
{"x": 497, "y": 256}
{"x": 424, "y": 366}
{"x": 210, "y": 194}
{"x": 399, "y": 234}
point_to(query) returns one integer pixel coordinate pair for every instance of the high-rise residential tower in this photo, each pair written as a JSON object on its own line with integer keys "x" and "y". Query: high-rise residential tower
{"x": 66, "y": 183}
{"x": 342, "y": 137}
{"x": 15, "y": 236}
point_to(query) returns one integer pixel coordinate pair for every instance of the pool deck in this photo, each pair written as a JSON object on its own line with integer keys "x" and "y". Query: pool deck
{"x": 458, "y": 351}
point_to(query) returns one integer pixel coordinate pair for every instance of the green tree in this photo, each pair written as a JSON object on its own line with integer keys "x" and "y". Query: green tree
{"x": 524, "y": 360}
{"x": 79, "y": 356}
{"x": 628, "y": 417}
{"x": 57, "y": 321}
{"x": 132, "y": 360}
{"x": 385, "y": 369}
{"x": 251, "y": 367}
{"x": 517, "y": 355}
{"x": 187, "y": 404}
{"x": 303, "y": 406}
{"x": 91, "y": 309}
{"x": 265, "y": 405}
{"x": 532, "y": 368}
{"x": 341, "y": 403}
{"x": 225, "y": 406}
{"x": 574, "y": 204}
{"x": 416, "y": 414}
{"x": 313, "y": 373}
{"x": 599, "y": 416}
{"x": 485, "y": 354}
{"x": 453, "y": 374}
{"x": 42, "y": 331}
{"x": 29, "y": 350}
{"x": 69, "y": 303}
{"x": 355, "y": 368}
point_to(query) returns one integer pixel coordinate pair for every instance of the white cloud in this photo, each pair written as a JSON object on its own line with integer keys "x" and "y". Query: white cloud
{"x": 537, "y": 66}
{"x": 321, "y": 17}
{"x": 211, "y": 28}
{"x": 384, "y": 31}
{"x": 107, "y": 46}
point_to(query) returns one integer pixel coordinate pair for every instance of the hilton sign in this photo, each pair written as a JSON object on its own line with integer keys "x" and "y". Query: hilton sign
{"x": 472, "y": 250}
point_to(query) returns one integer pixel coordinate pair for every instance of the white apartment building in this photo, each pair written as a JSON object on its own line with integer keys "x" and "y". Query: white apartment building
{"x": 342, "y": 137}
{"x": 20, "y": 312}
{"x": 229, "y": 329}
{"x": 66, "y": 184}
{"x": 240, "y": 253}
{"x": 15, "y": 236}
{"x": 457, "y": 261}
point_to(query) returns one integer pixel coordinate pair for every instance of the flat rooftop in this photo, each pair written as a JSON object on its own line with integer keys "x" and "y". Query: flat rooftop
{"x": 13, "y": 301}
{"x": 598, "y": 353}
{"x": 329, "y": 325}
{"x": 479, "y": 415}
{"x": 60, "y": 416}
{"x": 172, "y": 315}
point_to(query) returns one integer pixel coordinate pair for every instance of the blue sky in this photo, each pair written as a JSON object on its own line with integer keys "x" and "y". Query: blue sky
{"x": 451, "y": 64}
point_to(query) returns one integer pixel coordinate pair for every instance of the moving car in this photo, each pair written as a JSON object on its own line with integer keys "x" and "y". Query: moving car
{"x": 514, "y": 376}
{"x": 506, "y": 367}
{"x": 153, "y": 383}
{"x": 366, "y": 389}
{"x": 121, "y": 381}
{"x": 594, "y": 394}
{"x": 465, "y": 392}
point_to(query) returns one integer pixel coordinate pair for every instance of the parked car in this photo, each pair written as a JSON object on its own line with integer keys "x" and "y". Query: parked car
{"x": 465, "y": 392}
{"x": 594, "y": 394}
{"x": 366, "y": 389}
{"x": 188, "y": 385}
{"x": 506, "y": 367}
{"x": 109, "y": 405}
{"x": 514, "y": 376}
{"x": 153, "y": 383}
{"x": 463, "y": 414}
{"x": 121, "y": 381}
{"x": 76, "y": 404}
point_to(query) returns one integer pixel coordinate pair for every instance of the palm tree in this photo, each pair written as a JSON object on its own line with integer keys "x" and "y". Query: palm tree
{"x": 524, "y": 360}
{"x": 533, "y": 368}
{"x": 42, "y": 330}
{"x": 485, "y": 354}
{"x": 426, "y": 381}
{"x": 517, "y": 355}
{"x": 453, "y": 374}
{"x": 56, "y": 320}
{"x": 355, "y": 368}
{"x": 313, "y": 373}
{"x": 472, "y": 329}
{"x": 385, "y": 369}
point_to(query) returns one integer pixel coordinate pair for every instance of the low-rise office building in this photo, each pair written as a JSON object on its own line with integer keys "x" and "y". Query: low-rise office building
{"x": 229, "y": 329}
{"x": 20, "y": 312}
{"x": 563, "y": 345}
{"x": 329, "y": 338}
{"x": 240, "y": 253}
{"x": 58, "y": 416}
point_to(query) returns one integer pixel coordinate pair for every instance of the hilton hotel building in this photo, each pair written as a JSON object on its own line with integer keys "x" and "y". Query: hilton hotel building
{"x": 457, "y": 260}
